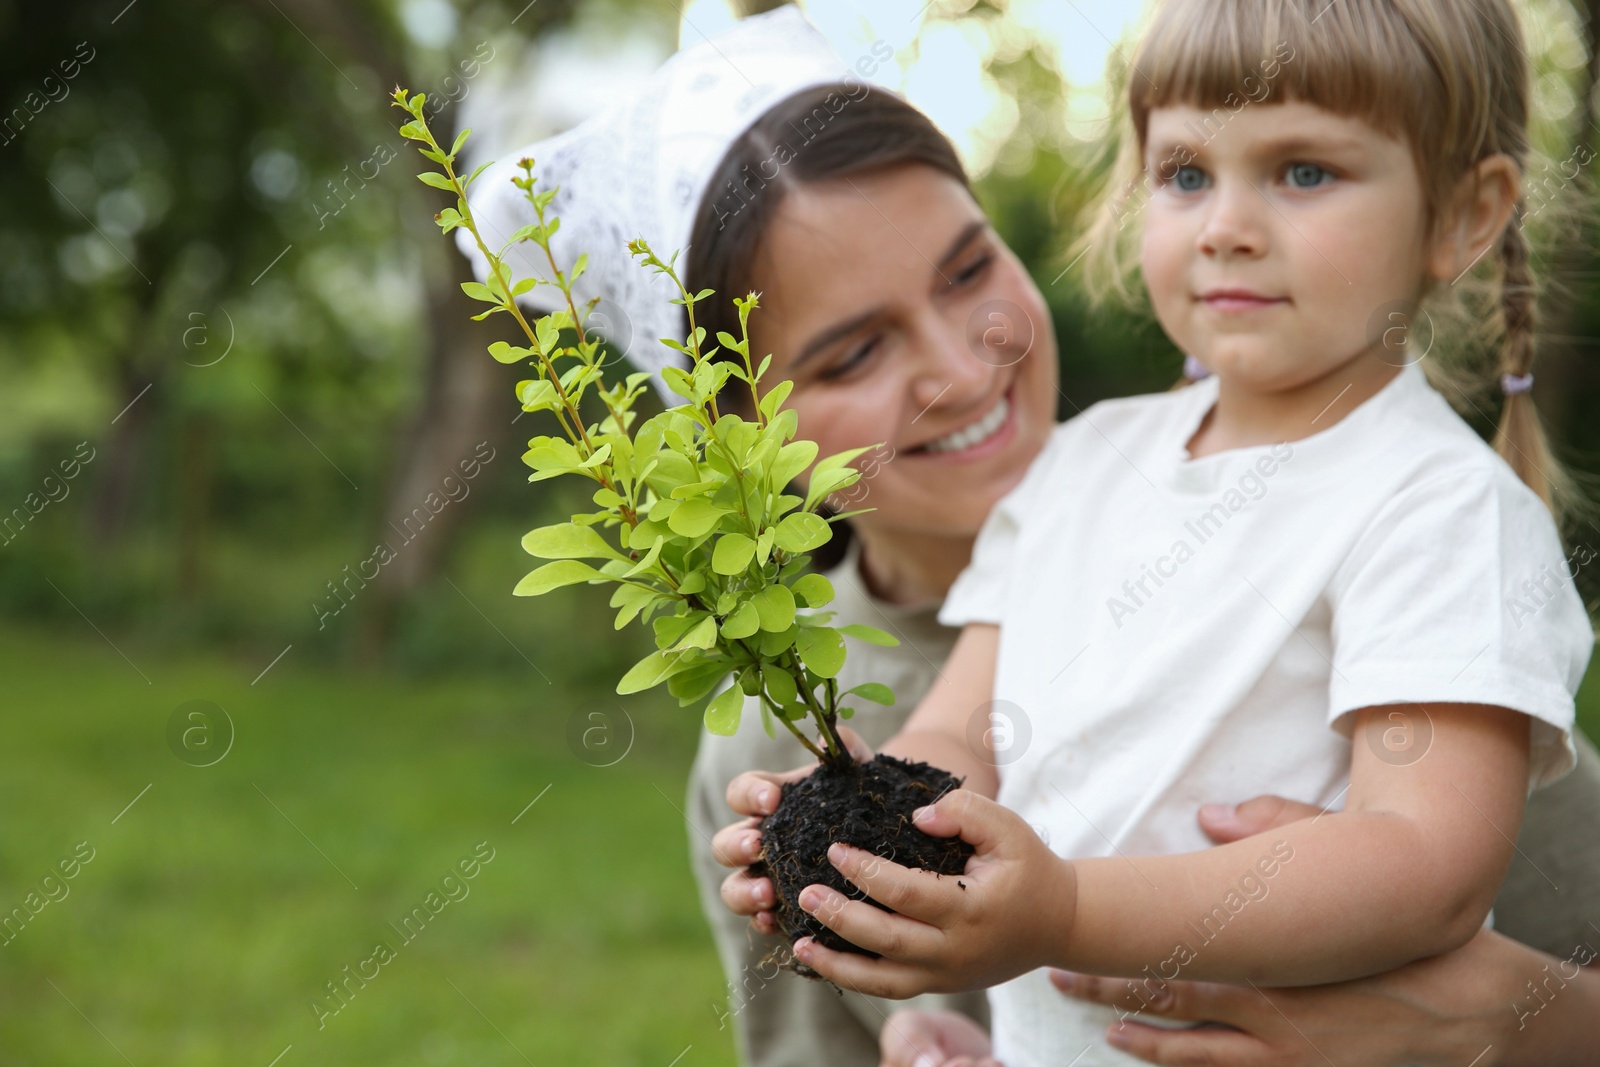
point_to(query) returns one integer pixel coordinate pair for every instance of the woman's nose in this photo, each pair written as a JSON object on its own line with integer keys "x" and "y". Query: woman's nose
{"x": 957, "y": 359}
{"x": 1233, "y": 221}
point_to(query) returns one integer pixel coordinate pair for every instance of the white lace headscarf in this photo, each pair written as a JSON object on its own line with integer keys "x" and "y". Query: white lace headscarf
{"x": 640, "y": 169}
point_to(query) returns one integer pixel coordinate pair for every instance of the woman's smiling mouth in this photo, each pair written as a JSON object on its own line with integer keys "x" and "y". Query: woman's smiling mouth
{"x": 975, "y": 434}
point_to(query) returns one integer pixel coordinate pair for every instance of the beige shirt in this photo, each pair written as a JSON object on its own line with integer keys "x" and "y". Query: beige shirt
{"x": 781, "y": 1020}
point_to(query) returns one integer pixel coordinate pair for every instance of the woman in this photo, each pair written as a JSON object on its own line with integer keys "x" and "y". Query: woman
{"x": 903, "y": 319}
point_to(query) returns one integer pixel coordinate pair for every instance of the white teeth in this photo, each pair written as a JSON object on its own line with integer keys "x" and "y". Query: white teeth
{"x": 979, "y": 431}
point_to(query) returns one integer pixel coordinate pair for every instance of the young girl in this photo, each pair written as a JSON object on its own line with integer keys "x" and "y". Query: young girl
{"x": 1187, "y": 590}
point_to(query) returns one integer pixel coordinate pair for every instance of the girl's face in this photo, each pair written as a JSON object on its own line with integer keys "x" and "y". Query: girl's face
{"x": 902, "y": 318}
{"x": 1277, "y": 242}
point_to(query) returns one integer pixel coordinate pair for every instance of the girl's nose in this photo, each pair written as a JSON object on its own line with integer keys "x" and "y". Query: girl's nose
{"x": 1233, "y": 221}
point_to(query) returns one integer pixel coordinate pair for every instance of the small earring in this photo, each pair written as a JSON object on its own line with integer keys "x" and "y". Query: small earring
{"x": 1193, "y": 369}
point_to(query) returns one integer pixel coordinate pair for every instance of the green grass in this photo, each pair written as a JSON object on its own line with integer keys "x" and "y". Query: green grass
{"x": 206, "y": 923}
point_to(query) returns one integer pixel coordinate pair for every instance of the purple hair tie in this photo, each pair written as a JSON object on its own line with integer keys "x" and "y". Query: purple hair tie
{"x": 1513, "y": 384}
{"x": 1193, "y": 369}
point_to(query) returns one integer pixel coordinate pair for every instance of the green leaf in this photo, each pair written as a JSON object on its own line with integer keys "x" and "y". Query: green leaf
{"x": 648, "y": 560}
{"x": 654, "y": 669}
{"x": 695, "y": 517}
{"x": 722, "y": 714}
{"x": 481, "y": 167}
{"x": 568, "y": 541}
{"x": 435, "y": 179}
{"x": 631, "y": 599}
{"x": 703, "y": 635}
{"x": 814, "y": 589}
{"x": 694, "y": 489}
{"x": 775, "y": 644}
{"x": 775, "y": 396}
{"x": 775, "y": 606}
{"x": 801, "y": 532}
{"x": 873, "y": 691}
{"x": 792, "y": 459}
{"x": 461, "y": 139}
{"x": 669, "y": 628}
{"x": 822, "y": 649}
{"x": 732, "y": 554}
{"x": 698, "y": 681}
{"x": 554, "y": 576}
{"x": 672, "y": 470}
{"x": 840, "y": 459}
{"x": 537, "y": 395}
{"x": 506, "y": 353}
{"x": 780, "y": 686}
{"x": 677, "y": 379}
{"x": 825, "y": 482}
{"x": 870, "y": 634}
{"x": 479, "y": 291}
{"x": 742, "y": 623}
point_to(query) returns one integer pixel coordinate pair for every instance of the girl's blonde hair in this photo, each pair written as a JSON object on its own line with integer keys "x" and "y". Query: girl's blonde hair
{"x": 1447, "y": 77}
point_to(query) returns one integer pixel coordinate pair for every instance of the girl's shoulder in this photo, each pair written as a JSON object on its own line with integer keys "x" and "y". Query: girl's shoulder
{"x": 1139, "y": 423}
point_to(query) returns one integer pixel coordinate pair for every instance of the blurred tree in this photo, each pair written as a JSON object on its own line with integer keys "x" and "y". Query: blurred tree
{"x": 213, "y": 183}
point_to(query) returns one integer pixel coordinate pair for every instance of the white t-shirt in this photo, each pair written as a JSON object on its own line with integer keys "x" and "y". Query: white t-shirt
{"x": 1177, "y": 630}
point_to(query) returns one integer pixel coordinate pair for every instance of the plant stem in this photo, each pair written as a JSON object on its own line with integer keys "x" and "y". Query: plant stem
{"x": 825, "y": 718}
{"x": 792, "y": 728}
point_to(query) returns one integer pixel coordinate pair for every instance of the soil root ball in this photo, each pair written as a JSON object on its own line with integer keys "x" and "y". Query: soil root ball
{"x": 867, "y": 805}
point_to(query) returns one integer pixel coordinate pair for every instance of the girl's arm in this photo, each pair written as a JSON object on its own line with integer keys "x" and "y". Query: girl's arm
{"x": 1493, "y": 1002}
{"x": 1407, "y": 870}
{"x": 941, "y": 730}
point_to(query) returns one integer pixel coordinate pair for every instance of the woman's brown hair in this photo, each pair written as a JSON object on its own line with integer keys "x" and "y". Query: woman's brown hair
{"x": 825, "y": 132}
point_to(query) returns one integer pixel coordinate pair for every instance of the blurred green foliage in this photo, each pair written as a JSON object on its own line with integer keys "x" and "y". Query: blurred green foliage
{"x": 216, "y": 273}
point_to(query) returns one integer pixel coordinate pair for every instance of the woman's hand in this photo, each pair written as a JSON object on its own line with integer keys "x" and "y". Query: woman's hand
{"x": 755, "y": 794}
{"x": 1446, "y": 1010}
{"x": 913, "y": 1038}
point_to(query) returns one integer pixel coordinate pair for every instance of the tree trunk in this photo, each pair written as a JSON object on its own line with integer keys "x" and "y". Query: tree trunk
{"x": 466, "y": 411}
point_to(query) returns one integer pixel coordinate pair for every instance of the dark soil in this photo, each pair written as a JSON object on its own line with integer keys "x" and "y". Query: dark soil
{"x": 867, "y": 805}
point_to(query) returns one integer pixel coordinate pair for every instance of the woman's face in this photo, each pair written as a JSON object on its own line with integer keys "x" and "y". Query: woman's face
{"x": 902, "y": 318}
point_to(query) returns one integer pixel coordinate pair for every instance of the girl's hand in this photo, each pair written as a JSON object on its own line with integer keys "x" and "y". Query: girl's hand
{"x": 913, "y": 1038}
{"x": 755, "y": 794}
{"x": 947, "y": 933}
{"x": 1445, "y": 1010}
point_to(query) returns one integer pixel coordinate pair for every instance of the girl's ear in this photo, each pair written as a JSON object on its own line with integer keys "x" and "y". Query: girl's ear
{"x": 1475, "y": 218}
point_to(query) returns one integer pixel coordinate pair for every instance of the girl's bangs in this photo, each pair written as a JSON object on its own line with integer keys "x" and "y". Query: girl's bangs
{"x": 1355, "y": 59}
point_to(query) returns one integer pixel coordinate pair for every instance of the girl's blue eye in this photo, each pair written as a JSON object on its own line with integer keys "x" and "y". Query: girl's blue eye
{"x": 1307, "y": 175}
{"x": 1189, "y": 178}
